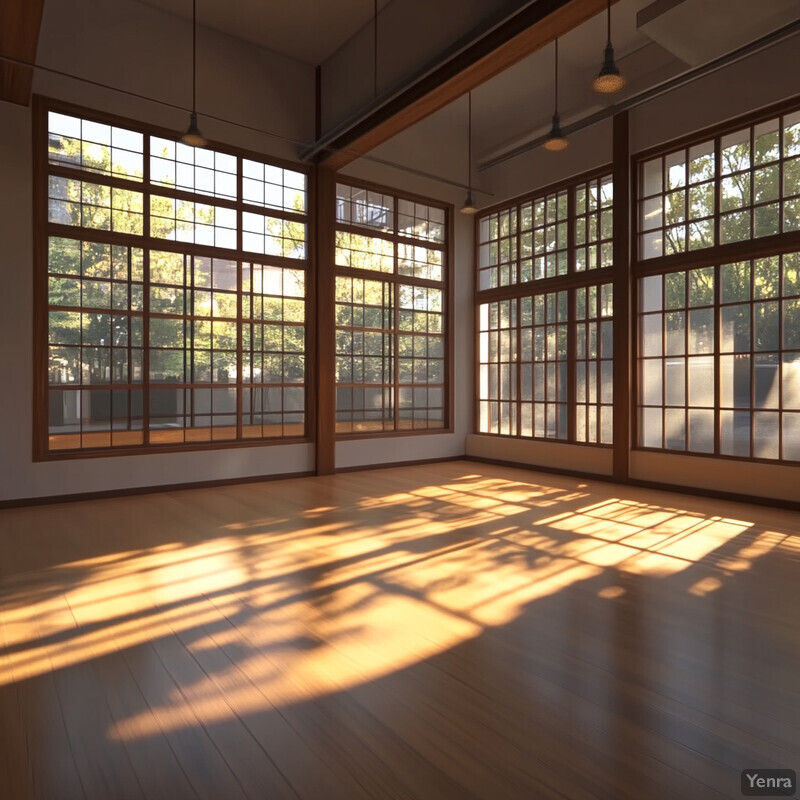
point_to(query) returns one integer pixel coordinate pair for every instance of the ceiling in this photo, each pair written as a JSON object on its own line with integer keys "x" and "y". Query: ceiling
{"x": 654, "y": 41}
{"x": 306, "y": 30}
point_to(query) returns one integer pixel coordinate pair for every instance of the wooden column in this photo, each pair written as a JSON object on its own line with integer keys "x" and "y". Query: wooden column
{"x": 322, "y": 308}
{"x": 624, "y": 403}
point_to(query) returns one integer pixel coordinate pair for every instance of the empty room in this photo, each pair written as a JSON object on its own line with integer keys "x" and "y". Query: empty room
{"x": 400, "y": 399}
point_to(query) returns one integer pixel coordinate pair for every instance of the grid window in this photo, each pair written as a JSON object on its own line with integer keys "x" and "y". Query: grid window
{"x": 497, "y": 251}
{"x": 420, "y": 262}
{"x": 753, "y": 335}
{"x": 92, "y": 205}
{"x": 537, "y": 351}
{"x": 594, "y": 367}
{"x": 420, "y": 357}
{"x": 197, "y": 223}
{"x": 95, "y": 147}
{"x": 272, "y": 236}
{"x": 498, "y": 374}
{"x": 364, "y": 355}
{"x": 152, "y": 337}
{"x": 192, "y": 169}
{"x": 677, "y": 336}
{"x": 760, "y": 358}
{"x": 546, "y": 236}
{"x": 95, "y": 343}
{"x": 364, "y": 252}
{"x": 192, "y": 342}
{"x": 273, "y": 187}
{"x": 420, "y": 221}
{"x": 545, "y": 358}
{"x": 544, "y": 355}
{"x": 364, "y": 208}
{"x": 719, "y": 345}
{"x": 391, "y": 336}
{"x": 273, "y": 351}
{"x": 677, "y": 205}
{"x": 594, "y": 224}
{"x": 755, "y": 174}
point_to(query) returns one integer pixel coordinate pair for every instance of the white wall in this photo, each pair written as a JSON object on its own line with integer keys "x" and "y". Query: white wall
{"x": 760, "y": 80}
{"x": 554, "y": 455}
{"x": 777, "y": 481}
{"x": 588, "y": 149}
{"x": 134, "y": 47}
{"x": 138, "y": 49}
{"x": 411, "y": 34}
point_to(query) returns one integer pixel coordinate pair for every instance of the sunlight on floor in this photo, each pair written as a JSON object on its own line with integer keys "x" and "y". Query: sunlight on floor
{"x": 320, "y": 599}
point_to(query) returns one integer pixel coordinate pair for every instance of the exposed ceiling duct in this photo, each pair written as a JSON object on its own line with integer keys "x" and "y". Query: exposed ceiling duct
{"x": 699, "y": 31}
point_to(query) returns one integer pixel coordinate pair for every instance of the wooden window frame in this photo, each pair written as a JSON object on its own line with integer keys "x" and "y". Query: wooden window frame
{"x": 714, "y": 257}
{"x": 393, "y": 279}
{"x": 569, "y": 281}
{"x": 44, "y": 229}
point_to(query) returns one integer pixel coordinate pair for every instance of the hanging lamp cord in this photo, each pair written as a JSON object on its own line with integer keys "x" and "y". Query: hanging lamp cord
{"x": 555, "y": 106}
{"x": 469, "y": 143}
{"x": 194, "y": 56}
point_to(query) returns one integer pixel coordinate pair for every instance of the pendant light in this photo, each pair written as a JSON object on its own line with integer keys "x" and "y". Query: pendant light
{"x": 469, "y": 206}
{"x": 555, "y": 139}
{"x": 193, "y": 137}
{"x": 608, "y": 79}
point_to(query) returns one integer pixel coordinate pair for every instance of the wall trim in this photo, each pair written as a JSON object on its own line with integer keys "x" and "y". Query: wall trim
{"x": 393, "y": 464}
{"x": 672, "y": 488}
{"x": 155, "y": 489}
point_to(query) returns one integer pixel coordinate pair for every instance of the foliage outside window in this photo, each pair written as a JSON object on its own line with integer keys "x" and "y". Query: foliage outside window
{"x": 391, "y": 313}
{"x": 545, "y": 356}
{"x": 731, "y": 188}
{"x": 175, "y": 299}
{"x": 719, "y": 342}
{"x": 531, "y": 241}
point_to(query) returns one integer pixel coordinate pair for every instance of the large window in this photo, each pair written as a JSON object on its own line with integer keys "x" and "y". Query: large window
{"x": 175, "y": 292}
{"x": 739, "y": 185}
{"x": 391, "y": 313}
{"x": 719, "y": 339}
{"x": 545, "y": 355}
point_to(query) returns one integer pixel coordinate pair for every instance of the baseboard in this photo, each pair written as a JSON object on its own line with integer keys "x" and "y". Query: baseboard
{"x": 170, "y": 487}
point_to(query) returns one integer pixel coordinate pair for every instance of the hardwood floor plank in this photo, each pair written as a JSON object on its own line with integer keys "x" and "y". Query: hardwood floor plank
{"x": 157, "y": 769}
{"x": 15, "y": 778}
{"x": 418, "y": 633}
{"x": 105, "y": 770}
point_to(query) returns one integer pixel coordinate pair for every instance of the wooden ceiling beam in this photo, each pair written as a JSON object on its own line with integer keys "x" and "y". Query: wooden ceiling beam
{"x": 20, "y": 21}
{"x": 527, "y": 31}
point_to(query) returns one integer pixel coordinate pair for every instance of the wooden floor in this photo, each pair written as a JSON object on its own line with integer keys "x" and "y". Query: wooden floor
{"x": 447, "y": 631}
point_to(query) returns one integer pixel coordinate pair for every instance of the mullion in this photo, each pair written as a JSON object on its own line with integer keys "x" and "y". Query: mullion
{"x": 717, "y": 360}
{"x": 571, "y": 334}
{"x": 239, "y": 309}
{"x": 663, "y": 315}
{"x": 518, "y": 362}
{"x": 392, "y": 294}
{"x": 752, "y": 355}
{"x": 571, "y": 368}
